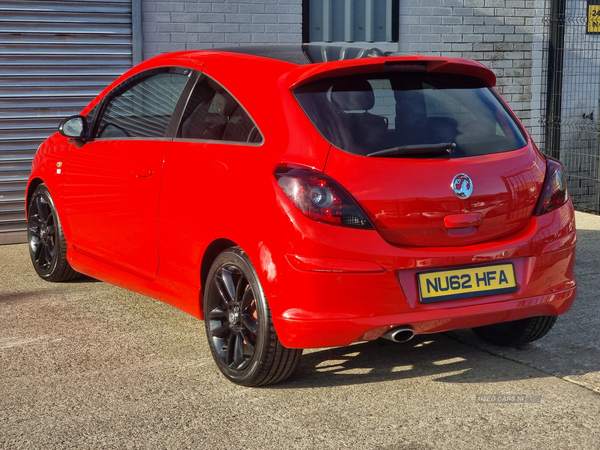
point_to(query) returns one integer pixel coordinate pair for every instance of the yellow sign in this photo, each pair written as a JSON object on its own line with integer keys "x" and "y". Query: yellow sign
{"x": 464, "y": 283}
{"x": 593, "y": 23}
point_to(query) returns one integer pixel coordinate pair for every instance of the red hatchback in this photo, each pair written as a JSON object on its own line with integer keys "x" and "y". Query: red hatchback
{"x": 309, "y": 197}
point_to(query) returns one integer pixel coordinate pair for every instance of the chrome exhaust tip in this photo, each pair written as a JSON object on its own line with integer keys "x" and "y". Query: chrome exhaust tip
{"x": 399, "y": 334}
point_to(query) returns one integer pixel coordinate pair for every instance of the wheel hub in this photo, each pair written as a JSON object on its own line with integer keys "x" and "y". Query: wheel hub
{"x": 43, "y": 233}
{"x": 234, "y": 317}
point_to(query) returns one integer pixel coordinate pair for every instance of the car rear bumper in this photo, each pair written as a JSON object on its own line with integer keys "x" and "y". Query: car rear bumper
{"x": 311, "y": 333}
{"x": 343, "y": 296}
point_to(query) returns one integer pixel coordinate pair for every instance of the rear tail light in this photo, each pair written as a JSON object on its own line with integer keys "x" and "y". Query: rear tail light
{"x": 321, "y": 198}
{"x": 554, "y": 193}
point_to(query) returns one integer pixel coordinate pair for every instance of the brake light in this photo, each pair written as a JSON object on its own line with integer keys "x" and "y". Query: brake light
{"x": 554, "y": 193}
{"x": 406, "y": 66}
{"x": 321, "y": 198}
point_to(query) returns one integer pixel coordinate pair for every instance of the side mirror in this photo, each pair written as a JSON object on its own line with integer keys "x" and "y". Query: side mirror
{"x": 74, "y": 127}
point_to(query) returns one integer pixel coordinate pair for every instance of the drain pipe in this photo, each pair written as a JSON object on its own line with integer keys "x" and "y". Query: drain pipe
{"x": 556, "y": 52}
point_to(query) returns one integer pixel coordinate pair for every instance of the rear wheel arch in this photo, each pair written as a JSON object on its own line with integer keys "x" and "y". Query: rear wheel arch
{"x": 210, "y": 254}
{"x": 239, "y": 325}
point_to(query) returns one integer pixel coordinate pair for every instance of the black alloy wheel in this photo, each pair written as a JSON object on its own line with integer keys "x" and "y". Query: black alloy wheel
{"x": 47, "y": 245}
{"x": 234, "y": 321}
{"x": 42, "y": 233}
{"x": 239, "y": 327}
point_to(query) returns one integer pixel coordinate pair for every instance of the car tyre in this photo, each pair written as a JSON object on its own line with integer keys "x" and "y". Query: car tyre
{"x": 516, "y": 333}
{"x": 47, "y": 244}
{"x": 239, "y": 325}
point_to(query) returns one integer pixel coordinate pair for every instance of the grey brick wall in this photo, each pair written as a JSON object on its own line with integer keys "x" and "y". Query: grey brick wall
{"x": 172, "y": 25}
{"x": 499, "y": 33}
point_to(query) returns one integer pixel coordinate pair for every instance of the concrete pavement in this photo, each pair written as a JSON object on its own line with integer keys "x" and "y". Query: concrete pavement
{"x": 89, "y": 365}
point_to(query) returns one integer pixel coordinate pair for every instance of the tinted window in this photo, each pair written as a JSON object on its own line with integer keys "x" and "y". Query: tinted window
{"x": 143, "y": 110}
{"x": 213, "y": 114}
{"x": 364, "y": 114}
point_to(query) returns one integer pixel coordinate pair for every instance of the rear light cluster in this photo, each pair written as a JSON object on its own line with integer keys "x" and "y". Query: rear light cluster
{"x": 554, "y": 193}
{"x": 321, "y": 198}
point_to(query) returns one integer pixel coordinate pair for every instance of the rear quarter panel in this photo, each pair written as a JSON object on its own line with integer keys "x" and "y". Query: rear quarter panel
{"x": 226, "y": 191}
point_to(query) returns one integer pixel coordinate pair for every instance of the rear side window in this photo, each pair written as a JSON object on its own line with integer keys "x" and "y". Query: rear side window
{"x": 143, "y": 110}
{"x": 364, "y": 114}
{"x": 213, "y": 114}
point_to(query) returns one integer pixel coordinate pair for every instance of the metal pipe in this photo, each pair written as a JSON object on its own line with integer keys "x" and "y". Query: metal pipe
{"x": 399, "y": 334}
{"x": 369, "y": 15}
{"x": 389, "y": 13}
{"x": 556, "y": 48}
{"x": 327, "y": 21}
{"x": 349, "y": 21}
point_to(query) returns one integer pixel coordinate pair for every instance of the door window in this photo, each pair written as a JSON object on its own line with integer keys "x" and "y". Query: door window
{"x": 144, "y": 109}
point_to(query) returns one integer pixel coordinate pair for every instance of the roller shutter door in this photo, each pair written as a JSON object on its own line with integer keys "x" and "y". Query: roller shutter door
{"x": 55, "y": 56}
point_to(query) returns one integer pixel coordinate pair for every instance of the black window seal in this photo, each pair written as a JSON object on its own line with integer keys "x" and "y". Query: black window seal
{"x": 184, "y": 99}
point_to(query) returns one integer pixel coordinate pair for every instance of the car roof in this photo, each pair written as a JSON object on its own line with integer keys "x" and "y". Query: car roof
{"x": 301, "y": 54}
{"x": 305, "y": 62}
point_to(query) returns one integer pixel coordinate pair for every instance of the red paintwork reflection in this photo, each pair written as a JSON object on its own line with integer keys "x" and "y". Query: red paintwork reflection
{"x": 111, "y": 197}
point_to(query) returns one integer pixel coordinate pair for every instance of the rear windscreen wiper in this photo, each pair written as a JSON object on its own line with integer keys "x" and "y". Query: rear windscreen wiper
{"x": 443, "y": 148}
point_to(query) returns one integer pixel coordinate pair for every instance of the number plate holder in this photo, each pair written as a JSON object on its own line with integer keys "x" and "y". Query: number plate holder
{"x": 444, "y": 285}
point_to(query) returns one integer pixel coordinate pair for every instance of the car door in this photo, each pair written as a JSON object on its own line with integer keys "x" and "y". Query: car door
{"x": 112, "y": 183}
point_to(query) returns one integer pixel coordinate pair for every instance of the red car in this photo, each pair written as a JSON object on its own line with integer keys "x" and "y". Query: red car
{"x": 309, "y": 197}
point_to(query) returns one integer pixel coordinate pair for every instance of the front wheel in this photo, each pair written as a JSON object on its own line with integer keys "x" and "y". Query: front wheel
{"x": 239, "y": 326}
{"x": 516, "y": 333}
{"x": 47, "y": 244}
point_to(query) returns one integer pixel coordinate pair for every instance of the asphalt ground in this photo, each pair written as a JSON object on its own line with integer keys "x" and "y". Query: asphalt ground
{"x": 89, "y": 365}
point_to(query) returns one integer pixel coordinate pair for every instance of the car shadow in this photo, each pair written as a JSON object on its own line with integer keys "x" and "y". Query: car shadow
{"x": 436, "y": 356}
{"x": 49, "y": 288}
{"x": 84, "y": 279}
{"x": 26, "y": 295}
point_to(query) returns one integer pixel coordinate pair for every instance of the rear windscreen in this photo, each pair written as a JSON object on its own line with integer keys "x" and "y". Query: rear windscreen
{"x": 365, "y": 114}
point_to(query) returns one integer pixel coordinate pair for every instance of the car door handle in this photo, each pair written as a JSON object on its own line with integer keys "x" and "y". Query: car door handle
{"x": 142, "y": 173}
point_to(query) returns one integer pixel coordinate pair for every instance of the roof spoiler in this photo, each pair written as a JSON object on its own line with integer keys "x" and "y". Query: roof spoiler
{"x": 384, "y": 63}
